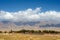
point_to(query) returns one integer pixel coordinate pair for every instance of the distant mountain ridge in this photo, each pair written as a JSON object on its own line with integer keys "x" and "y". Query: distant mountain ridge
{"x": 7, "y": 25}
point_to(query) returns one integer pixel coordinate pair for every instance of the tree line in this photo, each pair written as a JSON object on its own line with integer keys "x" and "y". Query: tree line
{"x": 33, "y": 31}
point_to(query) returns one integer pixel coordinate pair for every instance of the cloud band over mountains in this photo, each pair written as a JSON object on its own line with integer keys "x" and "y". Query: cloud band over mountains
{"x": 30, "y": 19}
{"x": 30, "y": 15}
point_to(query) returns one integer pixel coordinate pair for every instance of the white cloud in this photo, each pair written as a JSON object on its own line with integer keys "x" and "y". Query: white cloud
{"x": 29, "y": 15}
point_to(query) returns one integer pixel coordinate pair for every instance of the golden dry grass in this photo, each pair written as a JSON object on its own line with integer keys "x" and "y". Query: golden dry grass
{"x": 17, "y": 36}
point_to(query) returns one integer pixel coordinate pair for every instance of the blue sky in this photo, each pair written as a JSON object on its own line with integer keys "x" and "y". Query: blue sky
{"x": 16, "y": 5}
{"x": 30, "y": 10}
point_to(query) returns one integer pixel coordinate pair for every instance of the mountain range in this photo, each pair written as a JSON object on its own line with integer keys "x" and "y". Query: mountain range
{"x": 7, "y": 25}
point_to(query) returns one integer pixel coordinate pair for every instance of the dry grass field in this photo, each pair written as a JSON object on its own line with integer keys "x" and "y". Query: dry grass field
{"x": 19, "y": 36}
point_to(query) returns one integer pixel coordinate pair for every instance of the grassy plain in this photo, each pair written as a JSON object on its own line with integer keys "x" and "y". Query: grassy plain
{"x": 20, "y": 36}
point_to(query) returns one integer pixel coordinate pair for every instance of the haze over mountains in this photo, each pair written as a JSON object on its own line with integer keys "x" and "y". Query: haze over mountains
{"x": 30, "y": 19}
